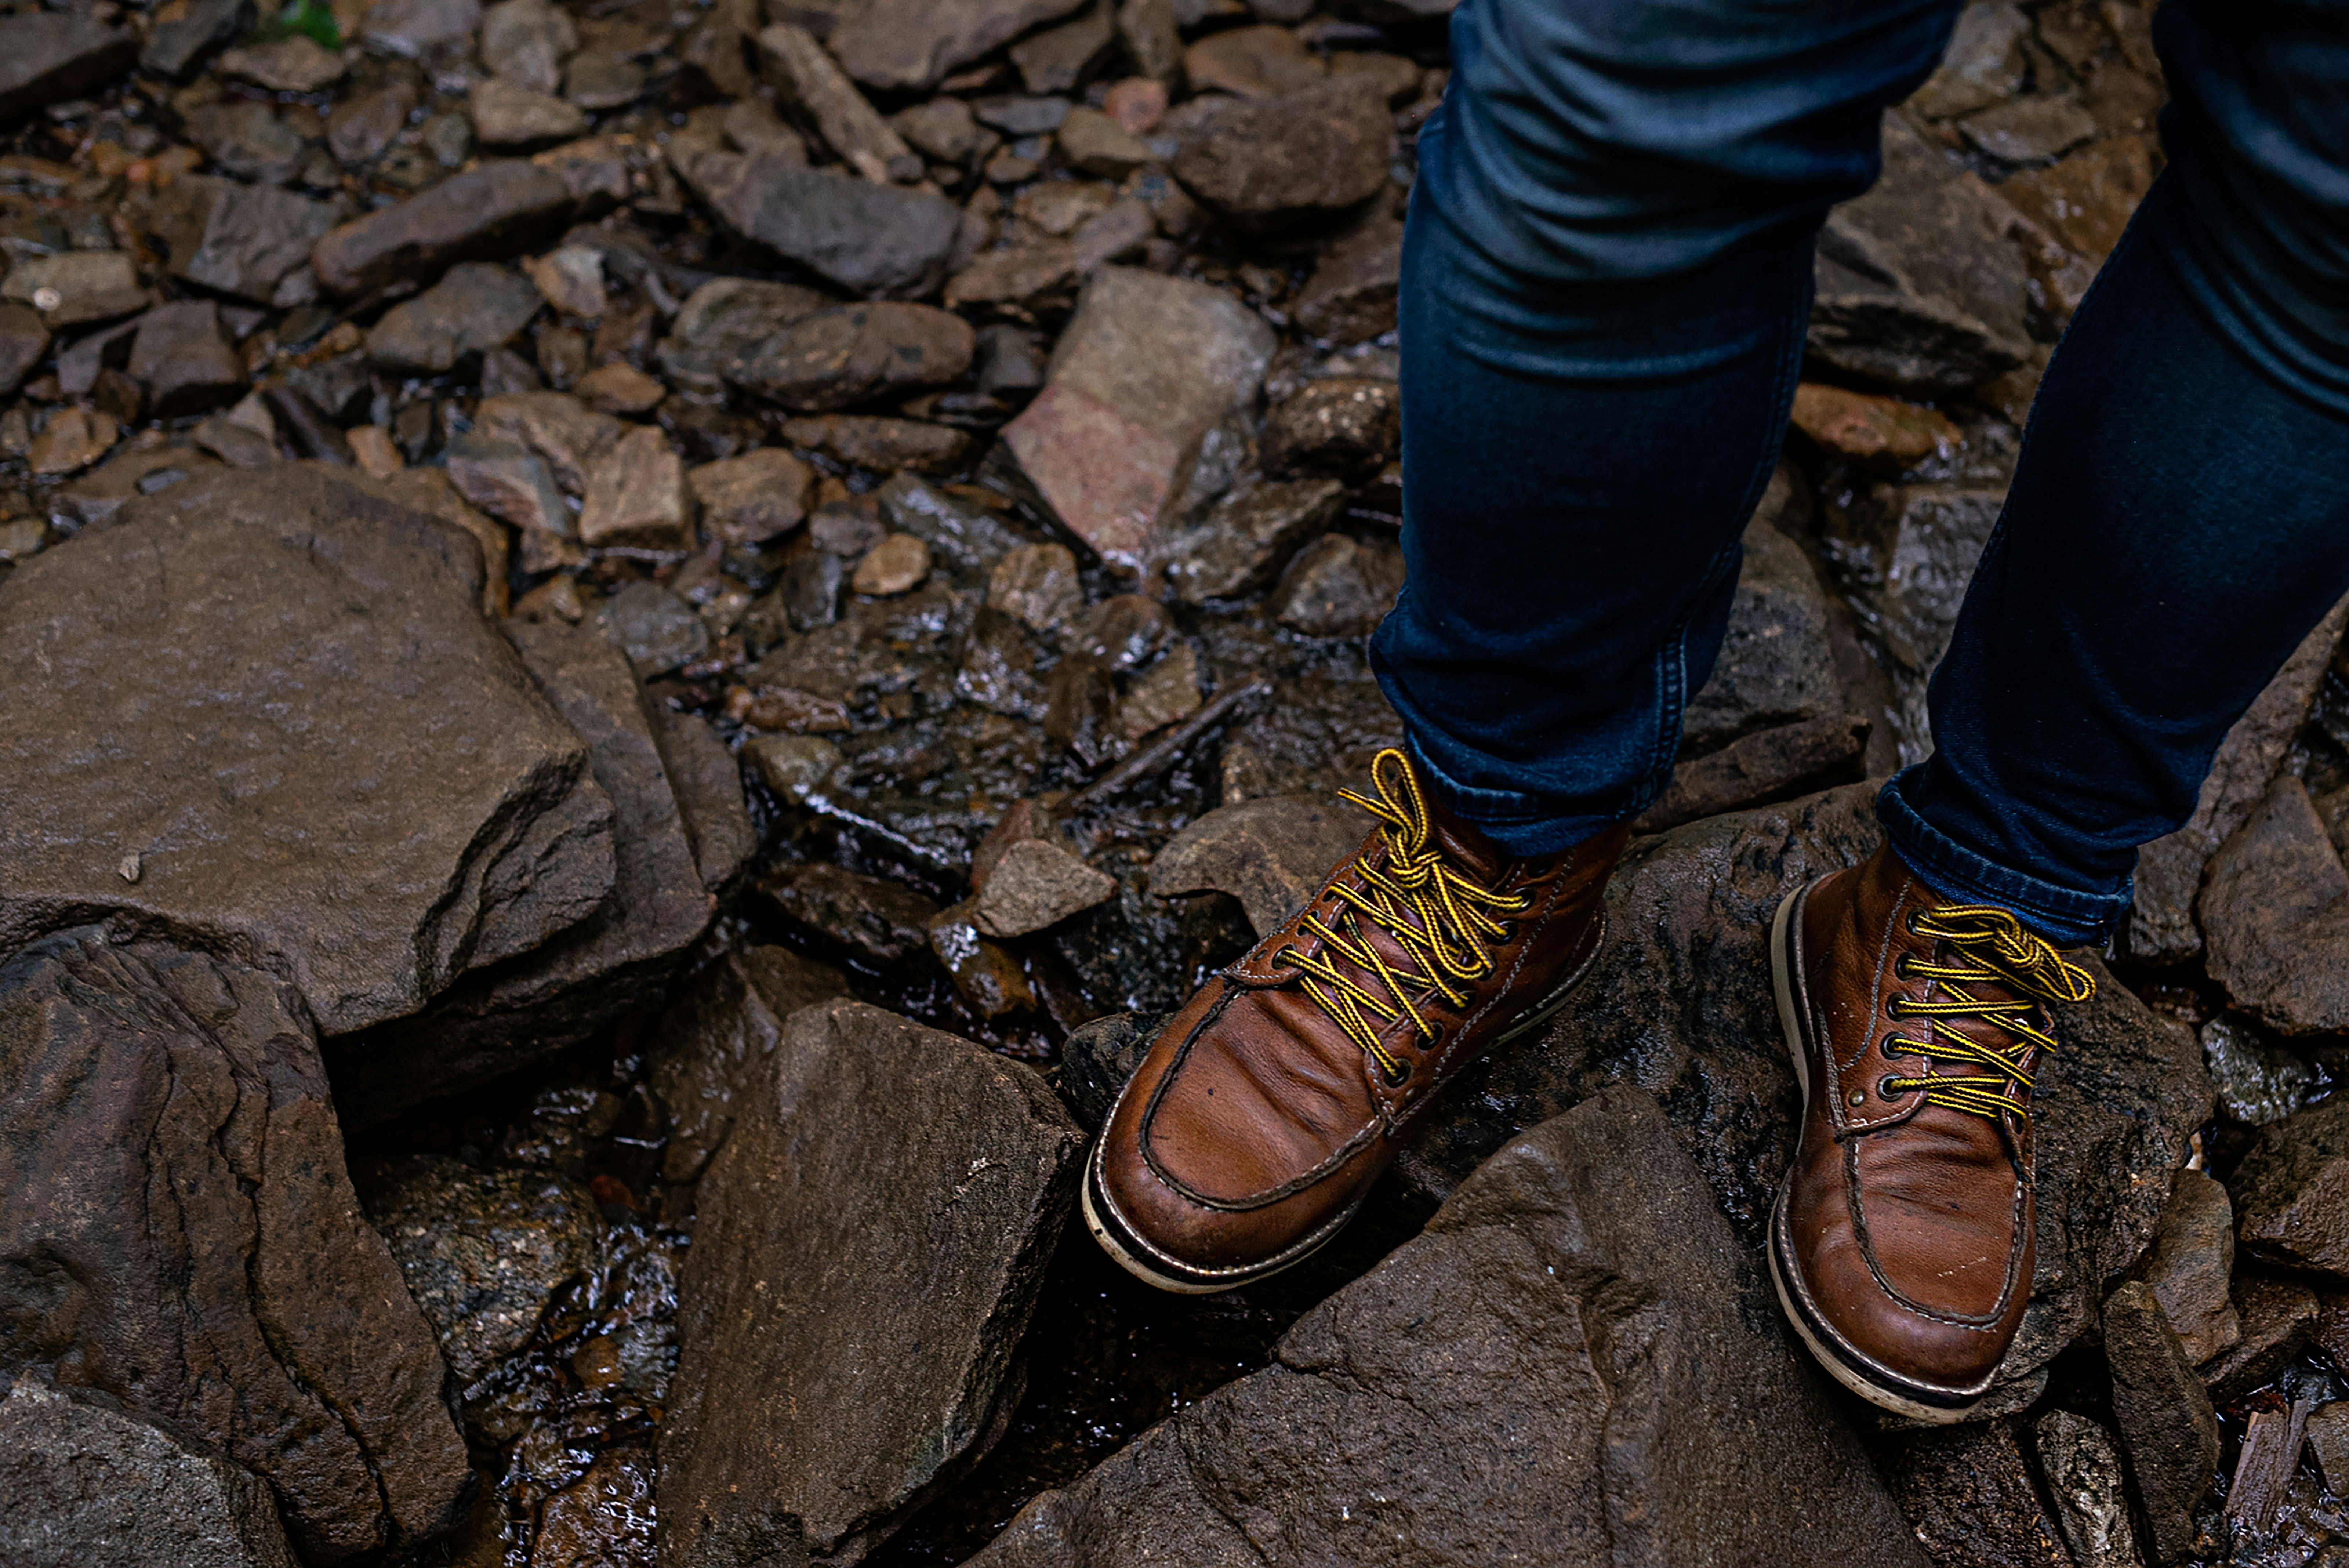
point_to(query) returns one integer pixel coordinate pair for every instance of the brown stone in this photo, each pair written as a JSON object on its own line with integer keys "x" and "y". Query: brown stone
{"x": 1272, "y": 855}
{"x": 857, "y": 354}
{"x": 1308, "y": 156}
{"x": 1777, "y": 763}
{"x": 884, "y": 445}
{"x": 894, "y": 44}
{"x": 897, "y": 565}
{"x": 2192, "y": 1263}
{"x": 637, "y": 494}
{"x": 2167, "y": 1425}
{"x": 754, "y": 498}
{"x": 1879, "y": 432}
{"x": 494, "y": 211}
{"x": 1035, "y": 883}
{"x": 1252, "y": 62}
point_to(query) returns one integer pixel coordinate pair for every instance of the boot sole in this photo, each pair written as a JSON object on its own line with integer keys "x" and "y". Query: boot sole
{"x": 1133, "y": 1256}
{"x": 1815, "y": 1339}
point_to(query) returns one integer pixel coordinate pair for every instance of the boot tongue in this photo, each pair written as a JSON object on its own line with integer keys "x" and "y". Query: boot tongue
{"x": 1465, "y": 844}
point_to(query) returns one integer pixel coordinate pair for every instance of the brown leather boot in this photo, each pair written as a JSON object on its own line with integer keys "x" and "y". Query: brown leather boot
{"x": 1901, "y": 1243}
{"x": 1267, "y": 1106}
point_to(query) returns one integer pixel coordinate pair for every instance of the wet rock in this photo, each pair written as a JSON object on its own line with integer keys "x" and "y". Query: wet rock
{"x": 726, "y": 318}
{"x": 525, "y": 42}
{"x": 1337, "y": 587}
{"x": 475, "y": 306}
{"x": 857, "y": 354}
{"x": 205, "y": 1271}
{"x": 84, "y": 1487}
{"x": 1037, "y": 884}
{"x": 819, "y": 95}
{"x": 1908, "y": 553}
{"x": 1420, "y": 1415}
{"x": 483, "y": 1251}
{"x": 934, "y": 1178}
{"x": 2193, "y": 1263}
{"x": 1248, "y": 536}
{"x": 884, "y": 445}
{"x": 2167, "y": 1425}
{"x": 2328, "y": 1439}
{"x": 893, "y": 44}
{"x": 1022, "y": 280}
{"x": 1064, "y": 58}
{"x": 1271, "y": 854}
{"x": 897, "y": 565}
{"x": 1754, "y": 770}
{"x": 2034, "y": 129}
{"x": 364, "y": 124}
{"x": 1970, "y": 1499}
{"x": 749, "y": 500}
{"x": 657, "y": 630}
{"x": 1345, "y": 425}
{"x": 606, "y": 1515}
{"x": 1687, "y": 913}
{"x": 1775, "y": 666}
{"x": 245, "y": 240}
{"x": 76, "y": 286}
{"x": 183, "y": 360}
{"x": 484, "y": 840}
{"x": 868, "y": 238}
{"x": 175, "y": 46}
{"x": 1918, "y": 288}
{"x": 969, "y": 537}
{"x": 23, "y": 341}
{"x": 637, "y": 494}
{"x": 2083, "y": 1469}
{"x": 2257, "y": 1081}
{"x": 1252, "y": 62}
{"x": 490, "y": 212}
{"x": 1983, "y": 64}
{"x": 599, "y": 79}
{"x": 2278, "y": 1320}
{"x": 2078, "y": 208}
{"x": 2169, "y": 870}
{"x": 615, "y": 960}
{"x": 1098, "y": 1059}
{"x": 880, "y": 921}
{"x": 1145, "y": 377}
{"x": 49, "y": 57}
{"x": 1305, "y": 157}
{"x": 507, "y": 115}
{"x": 2290, "y": 1192}
{"x": 1877, "y": 432}
{"x": 411, "y": 27}
{"x": 298, "y": 64}
{"x": 1037, "y": 585}
{"x": 619, "y": 388}
{"x": 717, "y": 1042}
{"x": 1166, "y": 693}
{"x": 247, "y": 140}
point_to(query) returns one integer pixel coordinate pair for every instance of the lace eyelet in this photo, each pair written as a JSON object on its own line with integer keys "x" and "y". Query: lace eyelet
{"x": 1884, "y": 1089}
{"x": 1909, "y": 921}
{"x": 1901, "y": 967}
{"x": 1886, "y": 1049}
{"x": 1896, "y": 1007}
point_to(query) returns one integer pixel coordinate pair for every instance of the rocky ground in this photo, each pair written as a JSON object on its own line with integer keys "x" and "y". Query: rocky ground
{"x": 640, "y": 636}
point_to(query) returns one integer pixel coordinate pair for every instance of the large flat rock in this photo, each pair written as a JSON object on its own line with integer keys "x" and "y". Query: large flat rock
{"x": 262, "y": 713}
{"x": 616, "y": 959}
{"x": 181, "y": 1236}
{"x": 871, "y": 1239}
{"x": 1681, "y": 1005}
{"x": 1577, "y": 1364}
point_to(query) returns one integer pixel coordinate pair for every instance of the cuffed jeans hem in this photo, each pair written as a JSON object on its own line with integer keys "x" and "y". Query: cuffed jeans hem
{"x": 1521, "y": 824}
{"x": 2064, "y": 916}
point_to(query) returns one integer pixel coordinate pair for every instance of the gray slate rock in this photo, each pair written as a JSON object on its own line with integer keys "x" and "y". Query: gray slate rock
{"x": 2290, "y": 1192}
{"x": 2192, "y": 1264}
{"x": 726, "y": 318}
{"x": 869, "y": 239}
{"x": 244, "y": 138}
{"x": 245, "y": 240}
{"x": 1680, "y": 1003}
{"x": 488, "y": 212}
{"x": 2275, "y": 916}
{"x": 657, "y": 629}
{"x": 1775, "y": 664}
{"x": 1968, "y": 1494}
{"x": 2086, "y": 1482}
{"x": 1771, "y": 764}
{"x": 182, "y": 1235}
{"x": 857, "y": 354}
{"x": 1575, "y": 1364}
{"x": 183, "y": 359}
{"x": 47, "y": 56}
{"x": 340, "y": 766}
{"x": 813, "y": 1407}
{"x": 1272, "y": 855}
{"x": 1248, "y": 536}
{"x": 617, "y": 959}
{"x": 83, "y": 1486}
{"x": 1918, "y": 287}
{"x": 475, "y": 306}
{"x": 707, "y": 784}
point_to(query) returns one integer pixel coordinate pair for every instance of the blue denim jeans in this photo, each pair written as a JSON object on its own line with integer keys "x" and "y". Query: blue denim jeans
{"x": 1606, "y": 278}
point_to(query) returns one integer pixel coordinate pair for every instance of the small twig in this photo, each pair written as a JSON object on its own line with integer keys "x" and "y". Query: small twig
{"x": 1161, "y": 754}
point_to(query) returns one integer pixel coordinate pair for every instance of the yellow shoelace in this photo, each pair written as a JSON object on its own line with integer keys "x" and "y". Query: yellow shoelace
{"x": 1440, "y": 917}
{"x": 1992, "y": 947}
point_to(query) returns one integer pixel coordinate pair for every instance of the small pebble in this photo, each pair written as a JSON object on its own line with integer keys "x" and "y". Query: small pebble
{"x": 897, "y": 565}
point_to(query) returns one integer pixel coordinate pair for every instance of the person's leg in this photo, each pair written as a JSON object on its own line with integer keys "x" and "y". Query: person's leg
{"x": 1607, "y": 279}
{"x": 2179, "y": 517}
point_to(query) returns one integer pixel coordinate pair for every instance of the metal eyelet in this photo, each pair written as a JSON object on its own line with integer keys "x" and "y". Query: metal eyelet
{"x": 1896, "y": 1007}
{"x": 1901, "y": 967}
{"x": 1884, "y": 1089}
{"x": 1886, "y": 1049}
